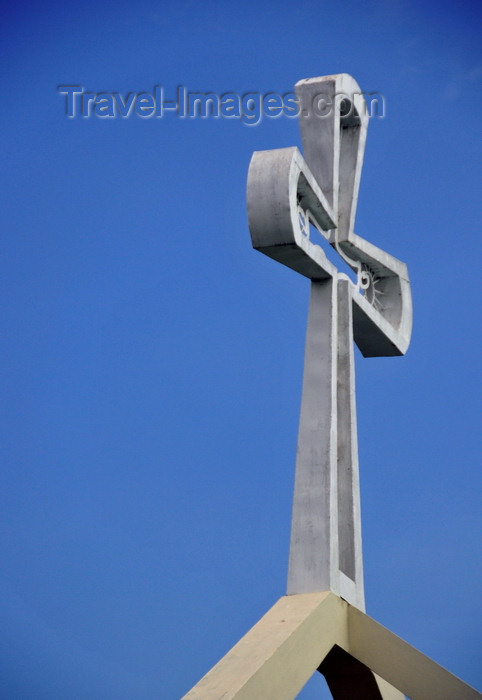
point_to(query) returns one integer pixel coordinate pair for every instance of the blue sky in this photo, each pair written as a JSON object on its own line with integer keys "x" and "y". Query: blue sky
{"x": 152, "y": 361}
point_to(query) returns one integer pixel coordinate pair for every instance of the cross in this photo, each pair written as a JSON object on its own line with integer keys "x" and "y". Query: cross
{"x": 287, "y": 194}
{"x": 300, "y": 634}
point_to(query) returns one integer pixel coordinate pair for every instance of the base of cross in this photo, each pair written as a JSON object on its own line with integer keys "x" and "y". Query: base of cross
{"x": 360, "y": 659}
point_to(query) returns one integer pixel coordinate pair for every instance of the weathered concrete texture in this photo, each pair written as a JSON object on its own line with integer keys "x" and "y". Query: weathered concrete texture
{"x": 306, "y": 632}
{"x": 313, "y": 564}
{"x": 326, "y": 548}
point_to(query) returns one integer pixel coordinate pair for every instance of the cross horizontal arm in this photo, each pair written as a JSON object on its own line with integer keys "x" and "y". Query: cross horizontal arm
{"x": 281, "y": 188}
{"x": 279, "y": 182}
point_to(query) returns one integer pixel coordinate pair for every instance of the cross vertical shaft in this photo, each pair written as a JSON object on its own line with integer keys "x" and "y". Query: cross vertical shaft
{"x": 314, "y": 501}
{"x": 325, "y": 549}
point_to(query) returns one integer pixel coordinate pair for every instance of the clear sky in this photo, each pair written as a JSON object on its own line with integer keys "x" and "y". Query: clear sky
{"x": 151, "y": 361}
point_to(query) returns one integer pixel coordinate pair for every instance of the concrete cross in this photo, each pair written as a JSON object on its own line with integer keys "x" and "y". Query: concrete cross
{"x": 286, "y": 195}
